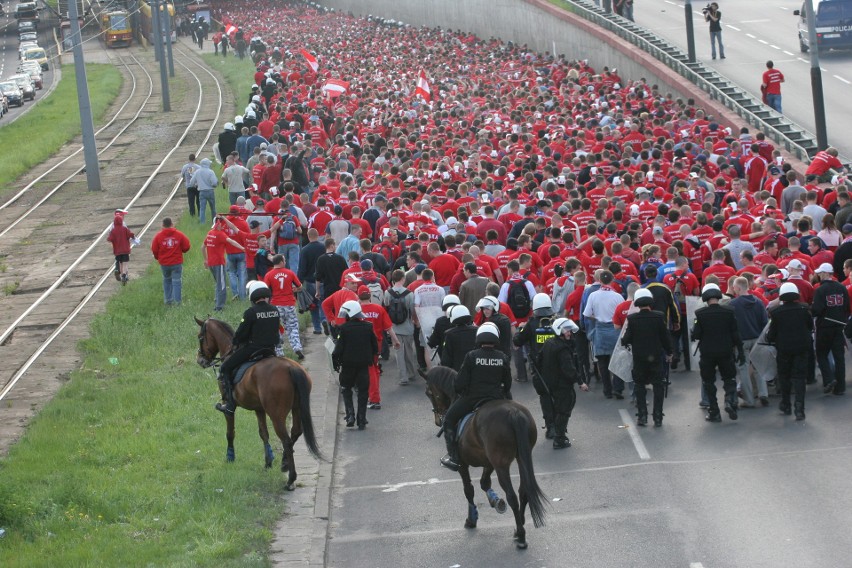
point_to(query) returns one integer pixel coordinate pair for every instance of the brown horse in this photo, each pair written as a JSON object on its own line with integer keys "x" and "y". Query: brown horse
{"x": 275, "y": 386}
{"x": 500, "y": 432}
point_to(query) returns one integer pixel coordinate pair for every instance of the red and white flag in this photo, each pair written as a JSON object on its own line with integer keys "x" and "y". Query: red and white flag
{"x": 423, "y": 88}
{"x": 333, "y": 88}
{"x": 312, "y": 61}
{"x": 230, "y": 29}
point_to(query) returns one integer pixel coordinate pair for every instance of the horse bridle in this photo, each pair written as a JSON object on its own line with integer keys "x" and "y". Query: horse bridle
{"x": 215, "y": 362}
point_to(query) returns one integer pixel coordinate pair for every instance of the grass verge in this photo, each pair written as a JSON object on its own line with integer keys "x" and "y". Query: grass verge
{"x": 238, "y": 74}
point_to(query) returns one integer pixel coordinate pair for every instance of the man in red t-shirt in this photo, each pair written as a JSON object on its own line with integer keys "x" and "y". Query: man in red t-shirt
{"x": 213, "y": 251}
{"x": 284, "y": 285}
{"x": 771, "y": 86}
{"x": 379, "y": 318}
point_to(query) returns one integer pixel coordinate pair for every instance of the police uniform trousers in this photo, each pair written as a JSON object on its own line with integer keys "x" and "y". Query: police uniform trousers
{"x": 355, "y": 377}
{"x": 564, "y": 399}
{"x": 459, "y": 409}
{"x": 792, "y": 375}
{"x": 707, "y": 365}
{"x": 648, "y": 372}
{"x": 545, "y": 398}
{"x": 237, "y": 358}
{"x": 829, "y": 339}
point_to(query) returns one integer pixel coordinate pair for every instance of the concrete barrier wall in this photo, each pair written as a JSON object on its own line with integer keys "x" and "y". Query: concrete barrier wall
{"x": 533, "y": 22}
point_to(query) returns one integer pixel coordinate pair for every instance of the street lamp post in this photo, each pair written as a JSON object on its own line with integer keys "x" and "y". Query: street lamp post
{"x": 690, "y": 32}
{"x": 816, "y": 78}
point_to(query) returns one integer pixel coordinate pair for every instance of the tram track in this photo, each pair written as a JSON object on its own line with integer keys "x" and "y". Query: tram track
{"x": 41, "y": 312}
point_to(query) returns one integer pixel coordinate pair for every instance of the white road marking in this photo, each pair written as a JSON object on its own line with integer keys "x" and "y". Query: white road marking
{"x": 763, "y": 41}
{"x": 788, "y": 53}
{"x": 802, "y": 60}
{"x": 670, "y": 2}
{"x": 634, "y": 435}
{"x": 753, "y": 21}
{"x": 751, "y": 36}
{"x": 774, "y": 47}
{"x": 397, "y": 486}
{"x": 699, "y": 564}
{"x": 783, "y": 8}
{"x": 839, "y": 78}
{"x": 736, "y": 29}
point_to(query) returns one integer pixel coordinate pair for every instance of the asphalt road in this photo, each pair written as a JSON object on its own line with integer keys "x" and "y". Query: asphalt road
{"x": 764, "y": 491}
{"x": 754, "y": 32}
{"x": 9, "y": 55}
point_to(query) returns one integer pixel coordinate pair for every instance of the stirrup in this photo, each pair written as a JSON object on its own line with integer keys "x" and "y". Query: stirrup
{"x": 448, "y": 462}
{"x": 226, "y": 408}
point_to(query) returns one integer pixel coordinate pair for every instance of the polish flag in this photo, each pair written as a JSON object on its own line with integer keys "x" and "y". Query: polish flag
{"x": 312, "y": 61}
{"x": 333, "y": 88}
{"x": 230, "y": 29}
{"x": 423, "y": 88}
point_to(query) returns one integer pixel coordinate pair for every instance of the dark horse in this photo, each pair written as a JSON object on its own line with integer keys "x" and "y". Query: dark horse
{"x": 275, "y": 386}
{"x": 500, "y": 432}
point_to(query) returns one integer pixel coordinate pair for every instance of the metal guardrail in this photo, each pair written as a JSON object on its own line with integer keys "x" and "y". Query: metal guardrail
{"x": 786, "y": 134}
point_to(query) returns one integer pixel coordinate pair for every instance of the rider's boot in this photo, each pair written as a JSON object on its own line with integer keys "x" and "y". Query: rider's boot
{"x": 350, "y": 410}
{"x": 228, "y": 404}
{"x": 451, "y": 460}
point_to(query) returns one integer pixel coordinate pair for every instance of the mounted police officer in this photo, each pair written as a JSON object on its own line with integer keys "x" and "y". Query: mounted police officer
{"x": 559, "y": 370}
{"x": 537, "y": 330}
{"x": 460, "y": 339}
{"x": 442, "y": 324}
{"x": 489, "y": 307}
{"x": 649, "y": 340}
{"x": 356, "y": 349}
{"x": 485, "y": 374}
{"x": 717, "y": 333}
{"x": 790, "y": 329}
{"x": 256, "y": 334}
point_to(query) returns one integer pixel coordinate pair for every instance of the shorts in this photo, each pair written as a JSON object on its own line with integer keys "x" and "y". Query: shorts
{"x": 122, "y": 258}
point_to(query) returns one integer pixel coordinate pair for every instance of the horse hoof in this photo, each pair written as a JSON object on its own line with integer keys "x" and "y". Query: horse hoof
{"x": 290, "y": 487}
{"x": 468, "y": 524}
{"x": 501, "y": 506}
{"x": 521, "y": 545}
{"x": 268, "y": 465}
{"x": 230, "y": 456}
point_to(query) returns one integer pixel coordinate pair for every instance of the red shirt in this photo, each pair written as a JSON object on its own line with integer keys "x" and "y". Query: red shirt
{"x": 773, "y": 78}
{"x": 214, "y": 244}
{"x": 620, "y": 315}
{"x": 723, "y": 272}
{"x": 572, "y": 304}
{"x": 378, "y": 317}
{"x": 282, "y": 282}
{"x": 444, "y": 267}
{"x": 331, "y": 305}
{"x": 168, "y": 246}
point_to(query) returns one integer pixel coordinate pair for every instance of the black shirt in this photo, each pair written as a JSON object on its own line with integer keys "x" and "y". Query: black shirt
{"x": 308, "y": 257}
{"x": 647, "y": 335}
{"x": 259, "y": 326}
{"x": 716, "y": 330}
{"x": 485, "y": 374}
{"x": 356, "y": 344}
{"x": 329, "y": 271}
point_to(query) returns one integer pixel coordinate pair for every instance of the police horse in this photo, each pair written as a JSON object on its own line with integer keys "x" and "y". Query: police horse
{"x": 496, "y": 434}
{"x": 274, "y": 386}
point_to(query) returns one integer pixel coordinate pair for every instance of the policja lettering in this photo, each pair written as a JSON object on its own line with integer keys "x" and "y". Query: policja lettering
{"x": 495, "y": 362}
{"x": 270, "y": 314}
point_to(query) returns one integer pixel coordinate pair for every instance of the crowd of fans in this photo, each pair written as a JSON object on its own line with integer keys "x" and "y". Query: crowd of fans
{"x": 508, "y": 171}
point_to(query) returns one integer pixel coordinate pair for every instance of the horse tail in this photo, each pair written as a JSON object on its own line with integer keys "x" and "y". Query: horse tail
{"x": 535, "y": 496}
{"x": 300, "y": 383}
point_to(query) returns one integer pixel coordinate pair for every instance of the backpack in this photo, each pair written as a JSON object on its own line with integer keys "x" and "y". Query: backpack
{"x": 623, "y": 283}
{"x": 376, "y": 292}
{"x": 397, "y": 310}
{"x": 679, "y": 296}
{"x": 519, "y": 298}
{"x": 287, "y": 230}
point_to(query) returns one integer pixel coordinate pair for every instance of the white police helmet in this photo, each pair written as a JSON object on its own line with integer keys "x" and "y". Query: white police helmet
{"x": 487, "y": 333}
{"x": 450, "y": 300}
{"x": 488, "y": 302}
{"x": 350, "y": 309}
{"x": 455, "y": 313}
{"x": 564, "y": 324}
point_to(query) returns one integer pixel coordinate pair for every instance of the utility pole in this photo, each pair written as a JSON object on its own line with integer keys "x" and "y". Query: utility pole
{"x": 156, "y": 28}
{"x": 167, "y": 24}
{"x": 816, "y": 78}
{"x": 690, "y": 32}
{"x": 158, "y": 43}
{"x": 90, "y": 151}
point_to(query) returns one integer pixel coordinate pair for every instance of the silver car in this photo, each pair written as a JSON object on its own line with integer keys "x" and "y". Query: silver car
{"x": 25, "y": 84}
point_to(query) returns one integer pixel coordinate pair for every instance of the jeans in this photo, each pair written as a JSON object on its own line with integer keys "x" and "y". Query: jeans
{"x": 172, "y": 283}
{"x": 237, "y": 274}
{"x": 234, "y": 195}
{"x": 317, "y": 314}
{"x": 192, "y": 198}
{"x": 290, "y": 252}
{"x": 206, "y": 196}
{"x": 218, "y": 273}
{"x": 714, "y": 37}
{"x": 774, "y": 101}
{"x": 744, "y": 375}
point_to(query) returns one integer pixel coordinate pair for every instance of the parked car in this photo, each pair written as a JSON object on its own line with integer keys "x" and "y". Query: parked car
{"x": 24, "y": 46}
{"x": 12, "y": 92}
{"x": 25, "y": 84}
{"x": 4, "y": 104}
{"x": 37, "y": 54}
{"x": 26, "y": 26}
{"x": 28, "y": 36}
{"x": 34, "y": 71}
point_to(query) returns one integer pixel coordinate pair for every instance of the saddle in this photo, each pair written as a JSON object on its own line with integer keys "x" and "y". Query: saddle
{"x": 463, "y": 422}
{"x": 253, "y": 360}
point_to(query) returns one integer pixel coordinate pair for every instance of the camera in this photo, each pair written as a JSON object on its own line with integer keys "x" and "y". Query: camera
{"x": 706, "y": 9}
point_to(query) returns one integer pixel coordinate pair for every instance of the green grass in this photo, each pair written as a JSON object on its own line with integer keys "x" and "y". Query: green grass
{"x": 37, "y": 135}
{"x": 126, "y": 465}
{"x": 239, "y": 75}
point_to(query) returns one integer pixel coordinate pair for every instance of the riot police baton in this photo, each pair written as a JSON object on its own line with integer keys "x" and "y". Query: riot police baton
{"x": 666, "y": 381}
{"x": 535, "y": 370}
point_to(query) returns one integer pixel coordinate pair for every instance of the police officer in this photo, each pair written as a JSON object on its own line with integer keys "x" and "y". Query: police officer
{"x": 717, "y": 334}
{"x": 356, "y": 349}
{"x": 790, "y": 327}
{"x": 559, "y": 373}
{"x": 831, "y": 309}
{"x": 257, "y": 332}
{"x": 459, "y": 339}
{"x": 489, "y": 307}
{"x": 442, "y": 324}
{"x": 649, "y": 340}
{"x": 485, "y": 374}
{"x": 537, "y": 330}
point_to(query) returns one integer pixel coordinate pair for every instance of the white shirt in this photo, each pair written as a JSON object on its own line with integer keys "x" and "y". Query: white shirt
{"x": 428, "y": 295}
{"x": 601, "y": 305}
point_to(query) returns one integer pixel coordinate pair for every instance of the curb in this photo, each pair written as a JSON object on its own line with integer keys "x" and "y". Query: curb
{"x": 325, "y": 478}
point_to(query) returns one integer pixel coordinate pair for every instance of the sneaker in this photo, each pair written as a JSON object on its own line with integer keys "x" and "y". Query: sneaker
{"x": 829, "y": 387}
{"x": 764, "y": 401}
{"x": 317, "y": 332}
{"x": 713, "y": 417}
{"x": 374, "y": 405}
{"x": 300, "y": 356}
{"x": 732, "y": 411}
{"x": 618, "y": 396}
{"x": 117, "y": 275}
{"x": 561, "y": 443}
{"x": 124, "y": 279}
{"x": 404, "y": 383}
{"x": 325, "y": 328}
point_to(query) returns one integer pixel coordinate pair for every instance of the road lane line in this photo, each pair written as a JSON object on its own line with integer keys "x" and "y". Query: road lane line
{"x": 736, "y": 29}
{"x": 763, "y": 41}
{"x": 696, "y": 565}
{"x": 788, "y": 53}
{"x": 751, "y": 36}
{"x": 753, "y": 21}
{"x": 634, "y": 435}
{"x": 774, "y": 47}
{"x": 802, "y": 60}
{"x": 839, "y": 78}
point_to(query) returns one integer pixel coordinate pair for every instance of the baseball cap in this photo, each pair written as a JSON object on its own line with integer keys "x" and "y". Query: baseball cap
{"x": 847, "y": 228}
{"x": 366, "y": 264}
{"x": 659, "y": 192}
{"x": 363, "y": 291}
{"x": 642, "y": 189}
{"x": 825, "y": 268}
{"x": 693, "y": 175}
{"x": 784, "y": 274}
{"x": 352, "y": 278}
{"x": 795, "y": 265}
{"x": 419, "y": 268}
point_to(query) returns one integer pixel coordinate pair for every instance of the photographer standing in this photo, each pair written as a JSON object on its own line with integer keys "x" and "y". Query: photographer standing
{"x": 714, "y": 16}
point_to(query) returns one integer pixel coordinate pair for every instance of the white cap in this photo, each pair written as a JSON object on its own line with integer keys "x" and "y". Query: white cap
{"x": 642, "y": 189}
{"x": 273, "y": 190}
{"x": 707, "y": 288}
{"x": 645, "y": 293}
{"x": 616, "y": 180}
{"x": 795, "y": 264}
{"x": 256, "y": 98}
{"x": 825, "y": 268}
{"x": 785, "y": 274}
{"x": 693, "y": 175}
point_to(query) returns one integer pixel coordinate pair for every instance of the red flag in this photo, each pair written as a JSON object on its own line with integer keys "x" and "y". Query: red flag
{"x": 423, "y": 88}
{"x": 333, "y": 88}
{"x": 312, "y": 61}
